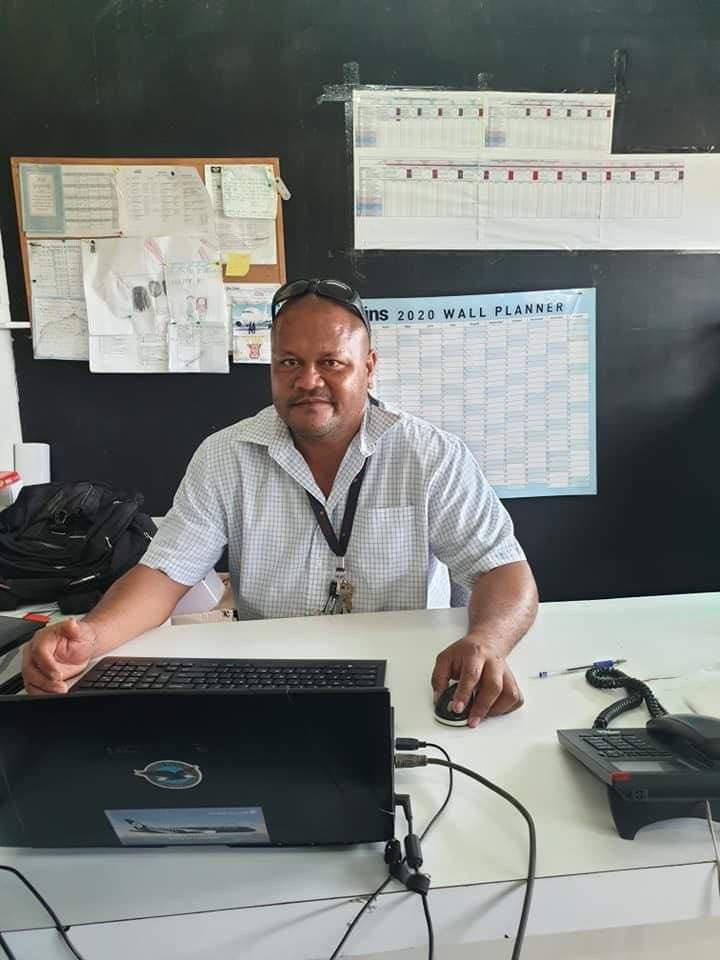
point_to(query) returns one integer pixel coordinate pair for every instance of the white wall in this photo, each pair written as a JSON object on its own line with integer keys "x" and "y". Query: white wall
{"x": 9, "y": 409}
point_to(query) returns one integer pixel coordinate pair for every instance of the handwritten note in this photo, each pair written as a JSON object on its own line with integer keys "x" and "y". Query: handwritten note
{"x": 248, "y": 190}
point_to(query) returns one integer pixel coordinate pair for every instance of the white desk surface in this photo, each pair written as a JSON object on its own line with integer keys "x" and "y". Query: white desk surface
{"x": 480, "y": 840}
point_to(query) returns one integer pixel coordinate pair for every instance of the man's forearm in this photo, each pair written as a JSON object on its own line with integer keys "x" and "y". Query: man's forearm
{"x": 503, "y": 605}
{"x": 141, "y": 599}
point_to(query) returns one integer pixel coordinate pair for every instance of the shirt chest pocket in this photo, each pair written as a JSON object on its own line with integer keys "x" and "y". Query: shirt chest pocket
{"x": 387, "y": 559}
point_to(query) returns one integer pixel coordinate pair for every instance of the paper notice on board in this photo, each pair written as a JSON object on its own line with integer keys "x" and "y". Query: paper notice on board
{"x": 198, "y": 348}
{"x": 256, "y": 237}
{"x": 125, "y": 289}
{"x": 59, "y": 329}
{"x": 248, "y": 190}
{"x": 55, "y": 268}
{"x": 250, "y": 320}
{"x": 59, "y": 315}
{"x": 117, "y": 354}
{"x": 71, "y": 200}
{"x": 194, "y": 280}
{"x": 161, "y": 200}
{"x": 155, "y": 305}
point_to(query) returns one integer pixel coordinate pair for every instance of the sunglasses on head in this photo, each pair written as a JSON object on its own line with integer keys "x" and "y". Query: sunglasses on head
{"x": 331, "y": 289}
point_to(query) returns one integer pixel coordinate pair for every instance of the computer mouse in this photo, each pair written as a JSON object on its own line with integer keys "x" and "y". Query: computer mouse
{"x": 445, "y": 714}
{"x": 702, "y": 732}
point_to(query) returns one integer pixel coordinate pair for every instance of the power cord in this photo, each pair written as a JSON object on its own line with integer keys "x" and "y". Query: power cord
{"x": 62, "y": 930}
{"x": 376, "y": 893}
{"x": 422, "y": 760}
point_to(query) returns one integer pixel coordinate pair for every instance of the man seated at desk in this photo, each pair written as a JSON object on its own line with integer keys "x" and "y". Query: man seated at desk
{"x": 280, "y": 490}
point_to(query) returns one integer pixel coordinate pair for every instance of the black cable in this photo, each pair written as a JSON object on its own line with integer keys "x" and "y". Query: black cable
{"x": 440, "y": 809}
{"x": 428, "y": 921}
{"x": 532, "y": 855}
{"x": 376, "y": 893}
{"x": 56, "y": 920}
{"x": 6, "y": 948}
{"x": 413, "y": 858}
{"x": 609, "y": 678}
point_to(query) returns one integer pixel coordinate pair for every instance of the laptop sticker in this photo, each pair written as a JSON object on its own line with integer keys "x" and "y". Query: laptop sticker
{"x": 171, "y": 774}
{"x": 137, "y": 828}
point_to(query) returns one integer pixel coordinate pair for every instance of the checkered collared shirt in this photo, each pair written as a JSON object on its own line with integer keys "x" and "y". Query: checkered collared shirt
{"x": 424, "y": 502}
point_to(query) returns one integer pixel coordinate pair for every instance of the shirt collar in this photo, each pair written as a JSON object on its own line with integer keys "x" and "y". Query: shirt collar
{"x": 268, "y": 430}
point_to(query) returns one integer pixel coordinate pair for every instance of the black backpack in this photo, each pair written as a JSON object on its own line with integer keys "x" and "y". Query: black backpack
{"x": 67, "y": 542}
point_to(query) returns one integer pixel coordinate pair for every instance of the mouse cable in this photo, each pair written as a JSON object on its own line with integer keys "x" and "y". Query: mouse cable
{"x": 608, "y": 678}
{"x": 708, "y": 814}
{"x": 376, "y": 893}
{"x": 421, "y": 760}
{"x": 62, "y": 930}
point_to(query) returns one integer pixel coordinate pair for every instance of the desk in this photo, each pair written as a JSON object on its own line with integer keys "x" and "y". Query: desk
{"x": 259, "y": 904}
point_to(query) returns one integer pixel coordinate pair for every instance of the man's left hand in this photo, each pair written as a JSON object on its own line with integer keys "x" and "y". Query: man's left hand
{"x": 479, "y": 667}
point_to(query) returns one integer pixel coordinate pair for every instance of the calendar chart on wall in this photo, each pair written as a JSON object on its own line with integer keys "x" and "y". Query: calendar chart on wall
{"x": 512, "y": 375}
{"x": 470, "y": 170}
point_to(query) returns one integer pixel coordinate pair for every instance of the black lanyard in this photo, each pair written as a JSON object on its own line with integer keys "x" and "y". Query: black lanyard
{"x": 339, "y": 547}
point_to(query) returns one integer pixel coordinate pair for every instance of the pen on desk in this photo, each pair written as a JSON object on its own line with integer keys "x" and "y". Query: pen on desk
{"x": 558, "y": 673}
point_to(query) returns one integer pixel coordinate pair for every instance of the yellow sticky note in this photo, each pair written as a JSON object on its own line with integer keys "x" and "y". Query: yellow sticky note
{"x": 238, "y": 264}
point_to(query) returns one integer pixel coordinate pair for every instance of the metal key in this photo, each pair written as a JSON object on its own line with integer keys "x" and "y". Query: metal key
{"x": 346, "y": 593}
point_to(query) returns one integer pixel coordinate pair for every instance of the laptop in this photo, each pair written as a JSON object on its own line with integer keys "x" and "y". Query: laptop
{"x": 261, "y": 767}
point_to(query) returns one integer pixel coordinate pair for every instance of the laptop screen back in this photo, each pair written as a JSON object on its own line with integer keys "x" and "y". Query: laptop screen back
{"x": 247, "y": 768}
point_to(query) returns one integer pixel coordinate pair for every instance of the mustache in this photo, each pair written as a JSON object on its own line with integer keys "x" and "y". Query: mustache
{"x": 313, "y": 395}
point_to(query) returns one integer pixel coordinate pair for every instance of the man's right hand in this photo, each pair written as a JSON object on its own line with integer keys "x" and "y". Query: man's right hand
{"x": 56, "y": 654}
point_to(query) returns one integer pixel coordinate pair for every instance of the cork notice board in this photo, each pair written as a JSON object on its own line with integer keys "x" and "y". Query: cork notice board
{"x": 256, "y": 273}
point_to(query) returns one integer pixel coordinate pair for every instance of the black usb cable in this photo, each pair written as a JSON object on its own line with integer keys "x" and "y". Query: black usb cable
{"x": 422, "y": 760}
{"x": 62, "y": 930}
{"x": 376, "y": 893}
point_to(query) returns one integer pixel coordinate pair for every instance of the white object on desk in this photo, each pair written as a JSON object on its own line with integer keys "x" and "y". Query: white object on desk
{"x": 202, "y": 597}
{"x": 32, "y": 462}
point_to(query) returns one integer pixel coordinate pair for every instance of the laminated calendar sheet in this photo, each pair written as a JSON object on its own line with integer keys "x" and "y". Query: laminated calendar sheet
{"x": 511, "y": 374}
{"x": 70, "y": 200}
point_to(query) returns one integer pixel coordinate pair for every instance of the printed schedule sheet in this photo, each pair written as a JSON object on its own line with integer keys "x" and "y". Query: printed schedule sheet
{"x": 512, "y": 375}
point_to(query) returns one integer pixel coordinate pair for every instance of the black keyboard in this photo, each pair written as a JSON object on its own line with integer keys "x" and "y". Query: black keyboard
{"x": 154, "y": 673}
